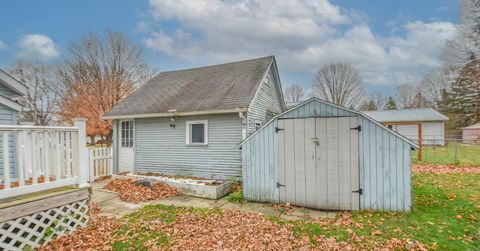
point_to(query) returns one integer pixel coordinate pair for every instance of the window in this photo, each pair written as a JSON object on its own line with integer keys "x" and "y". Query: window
{"x": 197, "y": 132}
{"x": 127, "y": 133}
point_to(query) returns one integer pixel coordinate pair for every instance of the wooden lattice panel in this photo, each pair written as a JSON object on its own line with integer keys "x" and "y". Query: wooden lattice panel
{"x": 38, "y": 228}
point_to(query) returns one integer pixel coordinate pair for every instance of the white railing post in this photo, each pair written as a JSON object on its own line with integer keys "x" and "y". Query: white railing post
{"x": 81, "y": 125}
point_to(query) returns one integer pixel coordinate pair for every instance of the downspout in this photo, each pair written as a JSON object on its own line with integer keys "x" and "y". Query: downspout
{"x": 244, "y": 121}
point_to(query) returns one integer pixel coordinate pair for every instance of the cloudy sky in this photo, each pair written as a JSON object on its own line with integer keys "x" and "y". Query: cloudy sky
{"x": 389, "y": 42}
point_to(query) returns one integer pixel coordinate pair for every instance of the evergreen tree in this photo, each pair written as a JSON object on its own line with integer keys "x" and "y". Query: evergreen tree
{"x": 464, "y": 96}
{"x": 391, "y": 104}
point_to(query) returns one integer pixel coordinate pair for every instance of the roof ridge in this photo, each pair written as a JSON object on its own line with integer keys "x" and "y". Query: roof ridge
{"x": 221, "y": 64}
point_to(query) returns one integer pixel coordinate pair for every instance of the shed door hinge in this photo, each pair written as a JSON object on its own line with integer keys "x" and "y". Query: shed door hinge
{"x": 278, "y": 129}
{"x": 279, "y": 185}
{"x": 358, "y": 128}
{"x": 360, "y": 191}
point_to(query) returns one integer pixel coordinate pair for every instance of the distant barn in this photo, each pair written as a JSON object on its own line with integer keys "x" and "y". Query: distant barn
{"x": 426, "y": 122}
{"x": 471, "y": 134}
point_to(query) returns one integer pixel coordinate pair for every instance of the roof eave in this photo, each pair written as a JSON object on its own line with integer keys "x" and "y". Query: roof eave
{"x": 14, "y": 84}
{"x": 175, "y": 114}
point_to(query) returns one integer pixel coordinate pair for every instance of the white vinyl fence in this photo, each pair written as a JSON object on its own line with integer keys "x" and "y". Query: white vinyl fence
{"x": 37, "y": 158}
{"x": 100, "y": 162}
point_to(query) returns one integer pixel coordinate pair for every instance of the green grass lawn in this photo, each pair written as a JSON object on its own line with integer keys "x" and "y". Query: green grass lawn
{"x": 445, "y": 216}
{"x": 467, "y": 155}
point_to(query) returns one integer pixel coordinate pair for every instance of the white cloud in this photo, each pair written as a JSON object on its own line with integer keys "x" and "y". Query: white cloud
{"x": 2, "y": 45}
{"x": 37, "y": 47}
{"x": 303, "y": 34}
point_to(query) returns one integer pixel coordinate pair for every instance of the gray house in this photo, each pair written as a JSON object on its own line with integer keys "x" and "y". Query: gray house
{"x": 10, "y": 90}
{"x": 189, "y": 122}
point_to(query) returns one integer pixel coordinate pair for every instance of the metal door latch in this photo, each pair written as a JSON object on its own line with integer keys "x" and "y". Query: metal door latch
{"x": 279, "y": 185}
{"x": 278, "y": 129}
{"x": 360, "y": 191}
{"x": 316, "y": 141}
{"x": 358, "y": 128}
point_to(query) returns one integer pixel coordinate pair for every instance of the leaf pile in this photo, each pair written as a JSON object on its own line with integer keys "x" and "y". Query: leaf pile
{"x": 445, "y": 169}
{"x": 94, "y": 236}
{"x": 131, "y": 192}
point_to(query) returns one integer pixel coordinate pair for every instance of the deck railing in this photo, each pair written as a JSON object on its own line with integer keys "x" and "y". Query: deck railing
{"x": 38, "y": 158}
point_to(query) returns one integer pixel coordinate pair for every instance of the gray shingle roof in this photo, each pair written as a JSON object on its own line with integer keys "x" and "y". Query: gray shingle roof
{"x": 217, "y": 87}
{"x": 407, "y": 115}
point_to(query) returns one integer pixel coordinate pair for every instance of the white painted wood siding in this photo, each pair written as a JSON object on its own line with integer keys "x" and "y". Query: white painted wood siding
{"x": 162, "y": 149}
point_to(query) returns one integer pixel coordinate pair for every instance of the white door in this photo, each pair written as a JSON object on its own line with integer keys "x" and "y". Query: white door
{"x": 126, "y": 153}
{"x": 320, "y": 167}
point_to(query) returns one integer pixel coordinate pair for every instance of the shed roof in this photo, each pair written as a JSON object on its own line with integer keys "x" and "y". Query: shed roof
{"x": 407, "y": 115}
{"x": 362, "y": 114}
{"x": 472, "y": 127}
{"x": 218, "y": 87}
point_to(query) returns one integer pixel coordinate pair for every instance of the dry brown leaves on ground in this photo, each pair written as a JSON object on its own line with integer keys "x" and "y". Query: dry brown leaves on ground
{"x": 95, "y": 236}
{"x": 131, "y": 192}
{"x": 237, "y": 230}
{"x": 445, "y": 169}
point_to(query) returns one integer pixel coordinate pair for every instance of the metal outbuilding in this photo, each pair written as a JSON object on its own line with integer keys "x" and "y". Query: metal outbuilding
{"x": 324, "y": 156}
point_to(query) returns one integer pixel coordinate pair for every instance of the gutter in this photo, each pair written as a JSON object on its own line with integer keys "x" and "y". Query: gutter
{"x": 176, "y": 114}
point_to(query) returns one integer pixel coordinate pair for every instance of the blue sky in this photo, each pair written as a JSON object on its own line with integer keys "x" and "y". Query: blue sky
{"x": 389, "y": 42}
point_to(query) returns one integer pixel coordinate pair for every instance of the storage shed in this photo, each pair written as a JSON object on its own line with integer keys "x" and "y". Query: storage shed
{"x": 471, "y": 134}
{"x": 324, "y": 156}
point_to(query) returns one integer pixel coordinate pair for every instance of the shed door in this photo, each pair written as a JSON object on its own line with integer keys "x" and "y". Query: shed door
{"x": 318, "y": 165}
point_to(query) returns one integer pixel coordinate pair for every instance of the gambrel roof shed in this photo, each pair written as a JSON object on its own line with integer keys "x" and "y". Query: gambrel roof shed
{"x": 324, "y": 156}
{"x": 212, "y": 89}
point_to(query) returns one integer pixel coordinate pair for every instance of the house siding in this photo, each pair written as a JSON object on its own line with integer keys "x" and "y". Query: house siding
{"x": 267, "y": 99}
{"x": 162, "y": 149}
{"x": 8, "y": 116}
{"x": 384, "y": 161}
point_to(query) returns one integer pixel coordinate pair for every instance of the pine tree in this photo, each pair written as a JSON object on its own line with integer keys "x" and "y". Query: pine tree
{"x": 464, "y": 96}
{"x": 419, "y": 101}
{"x": 391, "y": 105}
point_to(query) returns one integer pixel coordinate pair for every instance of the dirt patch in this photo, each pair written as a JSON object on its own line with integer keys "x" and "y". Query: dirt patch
{"x": 131, "y": 192}
{"x": 445, "y": 169}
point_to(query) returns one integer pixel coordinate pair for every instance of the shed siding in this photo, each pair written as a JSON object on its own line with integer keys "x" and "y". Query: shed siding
{"x": 267, "y": 99}
{"x": 384, "y": 160}
{"x": 162, "y": 149}
{"x": 260, "y": 181}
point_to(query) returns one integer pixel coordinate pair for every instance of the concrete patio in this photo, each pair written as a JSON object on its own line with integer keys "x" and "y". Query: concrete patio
{"x": 112, "y": 206}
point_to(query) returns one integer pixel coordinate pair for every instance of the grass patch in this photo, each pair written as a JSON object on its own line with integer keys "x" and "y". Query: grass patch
{"x": 467, "y": 155}
{"x": 445, "y": 216}
{"x": 236, "y": 196}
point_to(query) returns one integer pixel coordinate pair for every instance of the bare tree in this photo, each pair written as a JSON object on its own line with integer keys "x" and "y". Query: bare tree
{"x": 435, "y": 83}
{"x": 98, "y": 72}
{"x": 405, "y": 95}
{"x": 340, "y": 84}
{"x": 466, "y": 43}
{"x": 374, "y": 101}
{"x": 41, "y": 100}
{"x": 294, "y": 93}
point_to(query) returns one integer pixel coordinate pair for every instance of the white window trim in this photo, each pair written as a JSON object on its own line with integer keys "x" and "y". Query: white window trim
{"x": 132, "y": 136}
{"x": 189, "y": 132}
